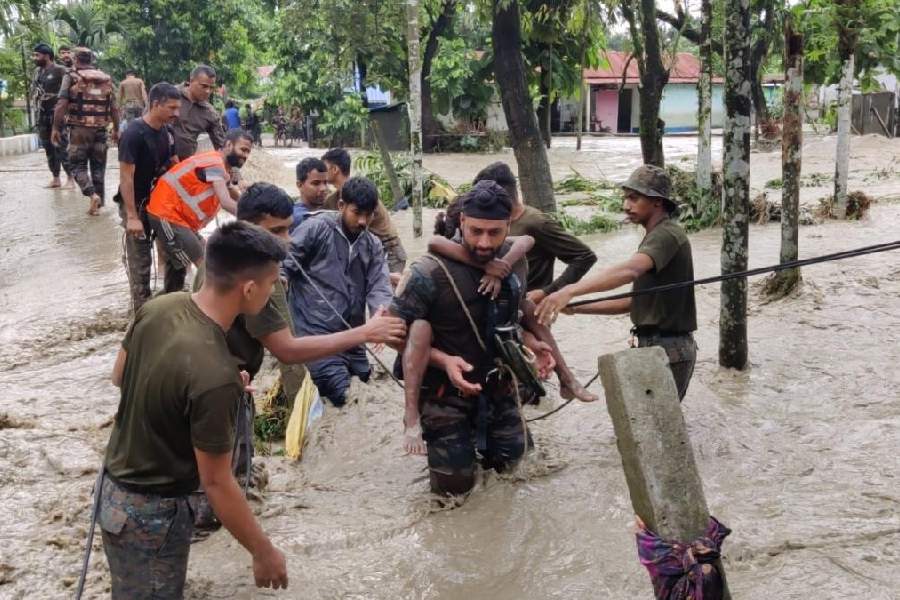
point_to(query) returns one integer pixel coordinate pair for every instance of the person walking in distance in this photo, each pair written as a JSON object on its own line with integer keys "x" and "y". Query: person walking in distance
{"x": 87, "y": 105}
{"x": 45, "y": 84}
{"x": 146, "y": 151}
{"x": 132, "y": 96}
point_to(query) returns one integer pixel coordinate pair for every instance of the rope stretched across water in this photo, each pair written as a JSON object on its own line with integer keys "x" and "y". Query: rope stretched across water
{"x": 884, "y": 247}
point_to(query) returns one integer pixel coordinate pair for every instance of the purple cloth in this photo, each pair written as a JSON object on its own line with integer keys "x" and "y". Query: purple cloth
{"x": 682, "y": 571}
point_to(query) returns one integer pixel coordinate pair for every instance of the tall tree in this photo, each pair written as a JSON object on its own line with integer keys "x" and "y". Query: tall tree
{"x": 782, "y": 282}
{"x": 439, "y": 26}
{"x": 735, "y": 231}
{"x": 415, "y": 110}
{"x": 704, "y": 106}
{"x": 847, "y": 21}
{"x": 509, "y": 70}
{"x": 653, "y": 74}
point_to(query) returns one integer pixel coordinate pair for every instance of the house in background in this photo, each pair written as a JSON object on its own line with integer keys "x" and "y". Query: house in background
{"x": 611, "y": 109}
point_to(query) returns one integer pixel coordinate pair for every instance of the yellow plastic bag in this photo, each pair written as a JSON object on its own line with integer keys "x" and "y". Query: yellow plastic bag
{"x": 307, "y": 408}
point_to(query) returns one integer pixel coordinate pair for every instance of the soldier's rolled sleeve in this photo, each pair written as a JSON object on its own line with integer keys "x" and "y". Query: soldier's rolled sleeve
{"x": 414, "y": 295}
{"x": 212, "y": 416}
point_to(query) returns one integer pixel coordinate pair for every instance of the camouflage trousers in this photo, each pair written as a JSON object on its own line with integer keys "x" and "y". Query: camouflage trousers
{"x": 682, "y": 352}
{"x": 57, "y": 156}
{"x": 146, "y": 539}
{"x": 87, "y": 158}
{"x": 454, "y": 428}
{"x": 138, "y": 262}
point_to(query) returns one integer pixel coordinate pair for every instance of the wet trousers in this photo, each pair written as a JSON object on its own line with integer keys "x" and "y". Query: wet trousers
{"x": 57, "y": 156}
{"x": 454, "y": 428}
{"x": 184, "y": 247}
{"x": 332, "y": 374}
{"x": 146, "y": 539}
{"x": 87, "y": 158}
{"x": 682, "y": 352}
{"x": 138, "y": 262}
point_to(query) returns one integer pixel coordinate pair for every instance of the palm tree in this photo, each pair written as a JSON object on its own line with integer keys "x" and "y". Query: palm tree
{"x": 85, "y": 24}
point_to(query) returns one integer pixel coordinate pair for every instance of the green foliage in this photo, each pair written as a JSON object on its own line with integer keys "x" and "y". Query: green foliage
{"x": 697, "y": 211}
{"x": 460, "y": 80}
{"x": 871, "y": 26}
{"x": 437, "y": 192}
{"x": 598, "y": 223}
{"x": 344, "y": 120}
{"x": 774, "y": 184}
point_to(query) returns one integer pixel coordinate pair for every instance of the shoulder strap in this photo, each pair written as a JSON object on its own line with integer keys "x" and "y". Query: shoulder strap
{"x": 462, "y": 303}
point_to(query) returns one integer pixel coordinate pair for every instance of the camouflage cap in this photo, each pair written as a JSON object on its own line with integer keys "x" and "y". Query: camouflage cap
{"x": 651, "y": 181}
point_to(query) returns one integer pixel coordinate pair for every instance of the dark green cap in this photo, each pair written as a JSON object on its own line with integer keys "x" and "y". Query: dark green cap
{"x": 651, "y": 181}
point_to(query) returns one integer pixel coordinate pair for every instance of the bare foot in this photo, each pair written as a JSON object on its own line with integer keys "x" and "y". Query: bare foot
{"x": 96, "y": 203}
{"x": 54, "y": 184}
{"x": 70, "y": 184}
{"x": 570, "y": 388}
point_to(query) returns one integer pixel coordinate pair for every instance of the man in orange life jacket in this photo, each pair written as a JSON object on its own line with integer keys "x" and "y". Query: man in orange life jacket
{"x": 87, "y": 105}
{"x": 188, "y": 197}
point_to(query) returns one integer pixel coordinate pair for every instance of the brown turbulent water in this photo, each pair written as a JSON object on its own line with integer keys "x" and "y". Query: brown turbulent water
{"x": 798, "y": 454}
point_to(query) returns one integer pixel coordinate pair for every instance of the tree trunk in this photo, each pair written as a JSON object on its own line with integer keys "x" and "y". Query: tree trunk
{"x": 545, "y": 106}
{"x": 509, "y": 71}
{"x": 654, "y": 77}
{"x": 28, "y": 90}
{"x": 842, "y": 159}
{"x": 430, "y": 125}
{"x": 415, "y": 110}
{"x": 386, "y": 160}
{"x": 758, "y": 54}
{"x": 736, "y": 168}
{"x": 704, "y": 95}
{"x": 783, "y": 282}
{"x": 583, "y": 94}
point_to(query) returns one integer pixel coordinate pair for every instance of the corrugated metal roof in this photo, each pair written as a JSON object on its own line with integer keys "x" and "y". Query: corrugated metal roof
{"x": 685, "y": 70}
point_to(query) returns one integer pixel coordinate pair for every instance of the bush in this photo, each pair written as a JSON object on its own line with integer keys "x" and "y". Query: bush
{"x": 343, "y": 122}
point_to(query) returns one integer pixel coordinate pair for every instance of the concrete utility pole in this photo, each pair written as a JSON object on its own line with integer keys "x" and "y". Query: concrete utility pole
{"x": 663, "y": 481}
{"x": 415, "y": 110}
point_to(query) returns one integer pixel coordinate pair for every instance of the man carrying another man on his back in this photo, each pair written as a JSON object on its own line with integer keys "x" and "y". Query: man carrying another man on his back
{"x": 146, "y": 151}
{"x": 174, "y": 426}
{"x": 197, "y": 115}
{"x": 336, "y": 268}
{"x": 312, "y": 184}
{"x": 87, "y": 105}
{"x": 188, "y": 197}
{"x": 338, "y": 162}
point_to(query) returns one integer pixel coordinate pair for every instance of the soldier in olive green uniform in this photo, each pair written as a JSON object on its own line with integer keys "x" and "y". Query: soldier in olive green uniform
{"x": 174, "y": 427}
{"x": 667, "y": 319}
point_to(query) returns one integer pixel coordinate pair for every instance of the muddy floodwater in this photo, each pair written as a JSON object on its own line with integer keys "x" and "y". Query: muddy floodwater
{"x": 799, "y": 454}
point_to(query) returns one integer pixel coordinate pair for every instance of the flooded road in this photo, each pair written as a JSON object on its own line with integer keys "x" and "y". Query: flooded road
{"x": 798, "y": 454}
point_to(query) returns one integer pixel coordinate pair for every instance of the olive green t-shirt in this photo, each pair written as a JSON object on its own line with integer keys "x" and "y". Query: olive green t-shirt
{"x": 243, "y": 337}
{"x": 551, "y": 242}
{"x": 673, "y": 311}
{"x": 180, "y": 391}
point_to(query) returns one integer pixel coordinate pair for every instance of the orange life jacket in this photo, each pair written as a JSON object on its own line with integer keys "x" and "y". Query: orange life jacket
{"x": 184, "y": 195}
{"x": 90, "y": 98}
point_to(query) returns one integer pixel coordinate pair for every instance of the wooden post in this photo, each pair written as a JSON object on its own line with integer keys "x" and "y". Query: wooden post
{"x": 663, "y": 481}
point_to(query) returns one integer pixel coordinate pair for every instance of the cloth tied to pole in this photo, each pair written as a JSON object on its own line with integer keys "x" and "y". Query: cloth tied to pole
{"x": 682, "y": 571}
